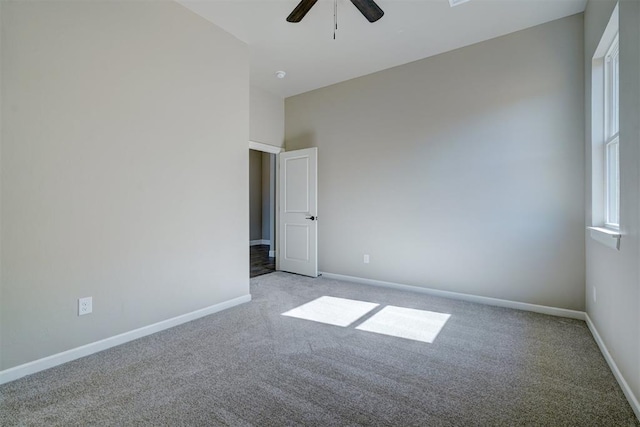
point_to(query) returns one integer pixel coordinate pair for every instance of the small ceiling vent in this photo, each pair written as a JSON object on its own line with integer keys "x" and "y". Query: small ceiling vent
{"x": 457, "y": 2}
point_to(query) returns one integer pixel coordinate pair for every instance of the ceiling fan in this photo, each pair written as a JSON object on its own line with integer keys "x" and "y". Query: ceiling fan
{"x": 368, "y": 8}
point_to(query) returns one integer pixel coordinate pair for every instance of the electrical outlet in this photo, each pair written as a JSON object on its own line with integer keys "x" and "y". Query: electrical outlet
{"x": 594, "y": 294}
{"x": 85, "y": 306}
{"x": 366, "y": 258}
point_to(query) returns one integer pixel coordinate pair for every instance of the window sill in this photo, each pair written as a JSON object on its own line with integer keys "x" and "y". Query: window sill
{"x": 606, "y": 236}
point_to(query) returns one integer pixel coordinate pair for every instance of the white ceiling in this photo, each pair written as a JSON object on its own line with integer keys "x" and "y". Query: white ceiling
{"x": 410, "y": 30}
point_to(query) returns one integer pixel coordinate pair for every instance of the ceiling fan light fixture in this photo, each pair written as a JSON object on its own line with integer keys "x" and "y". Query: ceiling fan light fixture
{"x": 457, "y": 2}
{"x": 368, "y": 8}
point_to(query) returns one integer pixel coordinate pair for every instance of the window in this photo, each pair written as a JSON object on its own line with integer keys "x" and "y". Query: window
{"x": 611, "y": 136}
{"x": 605, "y": 140}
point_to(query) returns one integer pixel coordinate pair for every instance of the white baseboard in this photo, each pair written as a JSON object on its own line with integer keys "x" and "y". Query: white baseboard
{"x": 633, "y": 401}
{"x": 272, "y": 254}
{"x": 553, "y": 311}
{"x": 29, "y": 368}
{"x": 259, "y": 242}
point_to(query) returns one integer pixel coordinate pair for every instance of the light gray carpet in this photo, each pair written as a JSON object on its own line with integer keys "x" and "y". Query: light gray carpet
{"x": 251, "y": 366}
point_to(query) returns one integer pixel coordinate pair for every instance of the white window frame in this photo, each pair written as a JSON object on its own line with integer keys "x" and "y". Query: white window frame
{"x": 605, "y": 220}
{"x": 611, "y": 136}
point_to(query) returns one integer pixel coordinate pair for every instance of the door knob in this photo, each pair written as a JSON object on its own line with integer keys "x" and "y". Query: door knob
{"x": 312, "y": 218}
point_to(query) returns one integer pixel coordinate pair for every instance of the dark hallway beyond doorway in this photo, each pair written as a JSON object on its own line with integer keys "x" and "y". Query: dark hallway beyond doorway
{"x": 260, "y": 261}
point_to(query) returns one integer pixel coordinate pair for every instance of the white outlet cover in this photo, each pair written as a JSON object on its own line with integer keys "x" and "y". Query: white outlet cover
{"x": 366, "y": 258}
{"x": 85, "y": 306}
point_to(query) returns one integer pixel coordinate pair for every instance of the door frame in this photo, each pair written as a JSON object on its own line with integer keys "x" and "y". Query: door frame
{"x": 265, "y": 148}
{"x": 275, "y": 150}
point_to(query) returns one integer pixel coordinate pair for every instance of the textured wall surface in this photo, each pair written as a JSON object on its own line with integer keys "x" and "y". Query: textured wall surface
{"x": 124, "y": 170}
{"x": 462, "y": 172}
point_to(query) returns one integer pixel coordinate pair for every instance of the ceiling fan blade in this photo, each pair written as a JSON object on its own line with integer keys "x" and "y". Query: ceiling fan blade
{"x": 301, "y": 10}
{"x": 369, "y": 9}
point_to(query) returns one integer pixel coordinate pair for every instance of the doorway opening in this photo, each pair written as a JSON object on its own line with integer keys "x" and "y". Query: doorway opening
{"x": 262, "y": 225}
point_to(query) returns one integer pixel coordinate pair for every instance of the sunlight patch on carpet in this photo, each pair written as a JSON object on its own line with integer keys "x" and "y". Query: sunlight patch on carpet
{"x": 418, "y": 325}
{"x": 331, "y": 310}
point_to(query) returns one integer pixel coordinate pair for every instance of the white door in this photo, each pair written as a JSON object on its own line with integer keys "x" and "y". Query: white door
{"x": 298, "y": 211}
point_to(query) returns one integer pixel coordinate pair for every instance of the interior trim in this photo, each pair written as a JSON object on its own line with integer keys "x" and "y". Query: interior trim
{"x": 633, "y": 401}
{"x": 266, "y": 148}
{"x": 606, "y": 236}
{"x": 29, "y": 368}
{"x": 553, "y": 311}
{"x": 259, "y": 242}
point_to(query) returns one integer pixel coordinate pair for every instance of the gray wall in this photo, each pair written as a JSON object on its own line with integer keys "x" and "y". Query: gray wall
{"x": 124, "y": 170}
{"x": 1, "y": 133}
{"x": 615, "y": 275}
{"x": 462, "y": 172}
{"x": 255, "y": 195}
{"x": 267, "y": 117}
